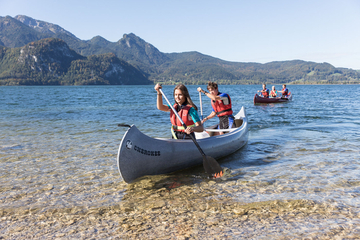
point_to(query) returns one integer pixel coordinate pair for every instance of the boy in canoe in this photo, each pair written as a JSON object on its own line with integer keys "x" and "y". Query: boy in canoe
{"x": 284, "y": 91}
{"x": 264, "y": 91}
{"x": 186, "y": 109}
{"x": 221, "y": 106}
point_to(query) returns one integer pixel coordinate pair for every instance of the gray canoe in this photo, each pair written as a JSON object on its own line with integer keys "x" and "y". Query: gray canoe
{"x": 141, "y": 155}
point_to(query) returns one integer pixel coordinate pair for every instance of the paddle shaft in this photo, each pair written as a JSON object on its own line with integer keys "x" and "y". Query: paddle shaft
{"x": 182, "y": 122}
{"x": 201, "y": 106}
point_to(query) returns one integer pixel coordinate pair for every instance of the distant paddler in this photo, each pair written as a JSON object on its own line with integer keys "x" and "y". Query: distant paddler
{"x": 273, "y": 92}
{"x": 284, "y": 91}
{"x": 264, "y": 91}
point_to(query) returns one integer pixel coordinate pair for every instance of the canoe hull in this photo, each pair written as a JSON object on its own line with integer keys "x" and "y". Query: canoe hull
{"x": 259, "y": 99}
{"x": 141, "y": 155}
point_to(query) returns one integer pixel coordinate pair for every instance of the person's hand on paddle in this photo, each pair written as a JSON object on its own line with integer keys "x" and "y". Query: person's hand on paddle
{"x": 205, "y": 119}
{"x": 157, "y": 87}
{"x": 199, "y": 89}
{"x": 159, "y": 100}
{"x": 189, "y": 130}
{"x": 212, "y": 114}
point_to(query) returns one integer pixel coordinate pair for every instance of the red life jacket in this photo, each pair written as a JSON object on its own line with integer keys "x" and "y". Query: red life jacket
{"x": 185, "y": 116}
{"x": 266, "y": 93}
{"x": 285, "y": 91}
{"x": 273, "y": 93}
{"x": 221, "y": 109}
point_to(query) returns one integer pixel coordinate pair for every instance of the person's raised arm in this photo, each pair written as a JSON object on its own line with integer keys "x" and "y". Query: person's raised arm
{"x": 159, "y": 101}
{"x": 209, "y": 95}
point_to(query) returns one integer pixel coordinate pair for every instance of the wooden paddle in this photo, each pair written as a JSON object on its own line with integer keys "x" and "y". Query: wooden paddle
{"x": 211, "y": 166}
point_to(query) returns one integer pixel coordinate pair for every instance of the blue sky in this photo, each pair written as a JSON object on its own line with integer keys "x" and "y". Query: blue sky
{"x": 232, "y": 30}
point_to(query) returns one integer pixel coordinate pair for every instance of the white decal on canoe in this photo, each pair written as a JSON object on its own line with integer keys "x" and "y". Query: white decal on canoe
{"x": 128, "y": 144}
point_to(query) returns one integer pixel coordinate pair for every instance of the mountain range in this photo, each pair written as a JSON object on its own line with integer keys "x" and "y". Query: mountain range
{"x": 38, "y": 52}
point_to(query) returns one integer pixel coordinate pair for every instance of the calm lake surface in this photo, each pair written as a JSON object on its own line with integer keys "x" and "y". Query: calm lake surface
{"x": 59, "y": 179}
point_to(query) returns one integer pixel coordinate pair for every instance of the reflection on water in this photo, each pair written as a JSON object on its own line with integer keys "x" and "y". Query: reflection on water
{"x": 297, "y": 177}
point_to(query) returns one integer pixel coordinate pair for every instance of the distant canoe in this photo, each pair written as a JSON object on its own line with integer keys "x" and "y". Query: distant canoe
{"x": 141, "y": 155}
{"x": 259, "y": 99}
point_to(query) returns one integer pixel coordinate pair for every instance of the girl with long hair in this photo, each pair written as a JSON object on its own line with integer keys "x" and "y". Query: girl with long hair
{"x": 186, "y": 109}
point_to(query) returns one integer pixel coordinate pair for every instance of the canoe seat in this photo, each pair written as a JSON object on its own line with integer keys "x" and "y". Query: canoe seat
{"x": 238, "y": 122}
{"x": 201, "y": 135}
{"x": 212, "y": 127}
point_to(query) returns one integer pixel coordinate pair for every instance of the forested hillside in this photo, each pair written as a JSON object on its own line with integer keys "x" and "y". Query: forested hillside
{"x": 51, "y": 62}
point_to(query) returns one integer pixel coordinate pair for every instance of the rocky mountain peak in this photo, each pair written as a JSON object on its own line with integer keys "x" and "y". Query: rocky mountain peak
{"x": 136, "y": 46}
{"x": 98, "y": 40}
{"x": 41, "y": 26}
{"x": 49, "y": 54}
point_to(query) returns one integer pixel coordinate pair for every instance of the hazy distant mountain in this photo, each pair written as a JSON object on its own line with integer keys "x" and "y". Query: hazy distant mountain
{"x": 132, "y": 45}
{"x": 132, "y": 49}
{"x": 43, "y": 27}
{"x": 51, "y": 61}
{"x": 100, "y": 41}
{"x": 188, "y": 67}
{"x": 14, "y": 33}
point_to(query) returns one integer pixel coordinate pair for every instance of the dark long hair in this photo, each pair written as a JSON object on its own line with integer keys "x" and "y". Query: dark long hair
{"x": 186, "y": 94}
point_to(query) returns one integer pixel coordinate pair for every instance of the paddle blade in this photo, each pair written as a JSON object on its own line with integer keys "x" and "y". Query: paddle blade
{"x": 212, "y": 167}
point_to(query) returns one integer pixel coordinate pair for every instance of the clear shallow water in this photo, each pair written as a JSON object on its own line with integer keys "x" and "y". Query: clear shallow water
{"x": 58, "y": 149}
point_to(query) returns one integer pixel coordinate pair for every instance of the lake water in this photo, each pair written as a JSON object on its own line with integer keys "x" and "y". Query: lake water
{"x": 297, "y": 177}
